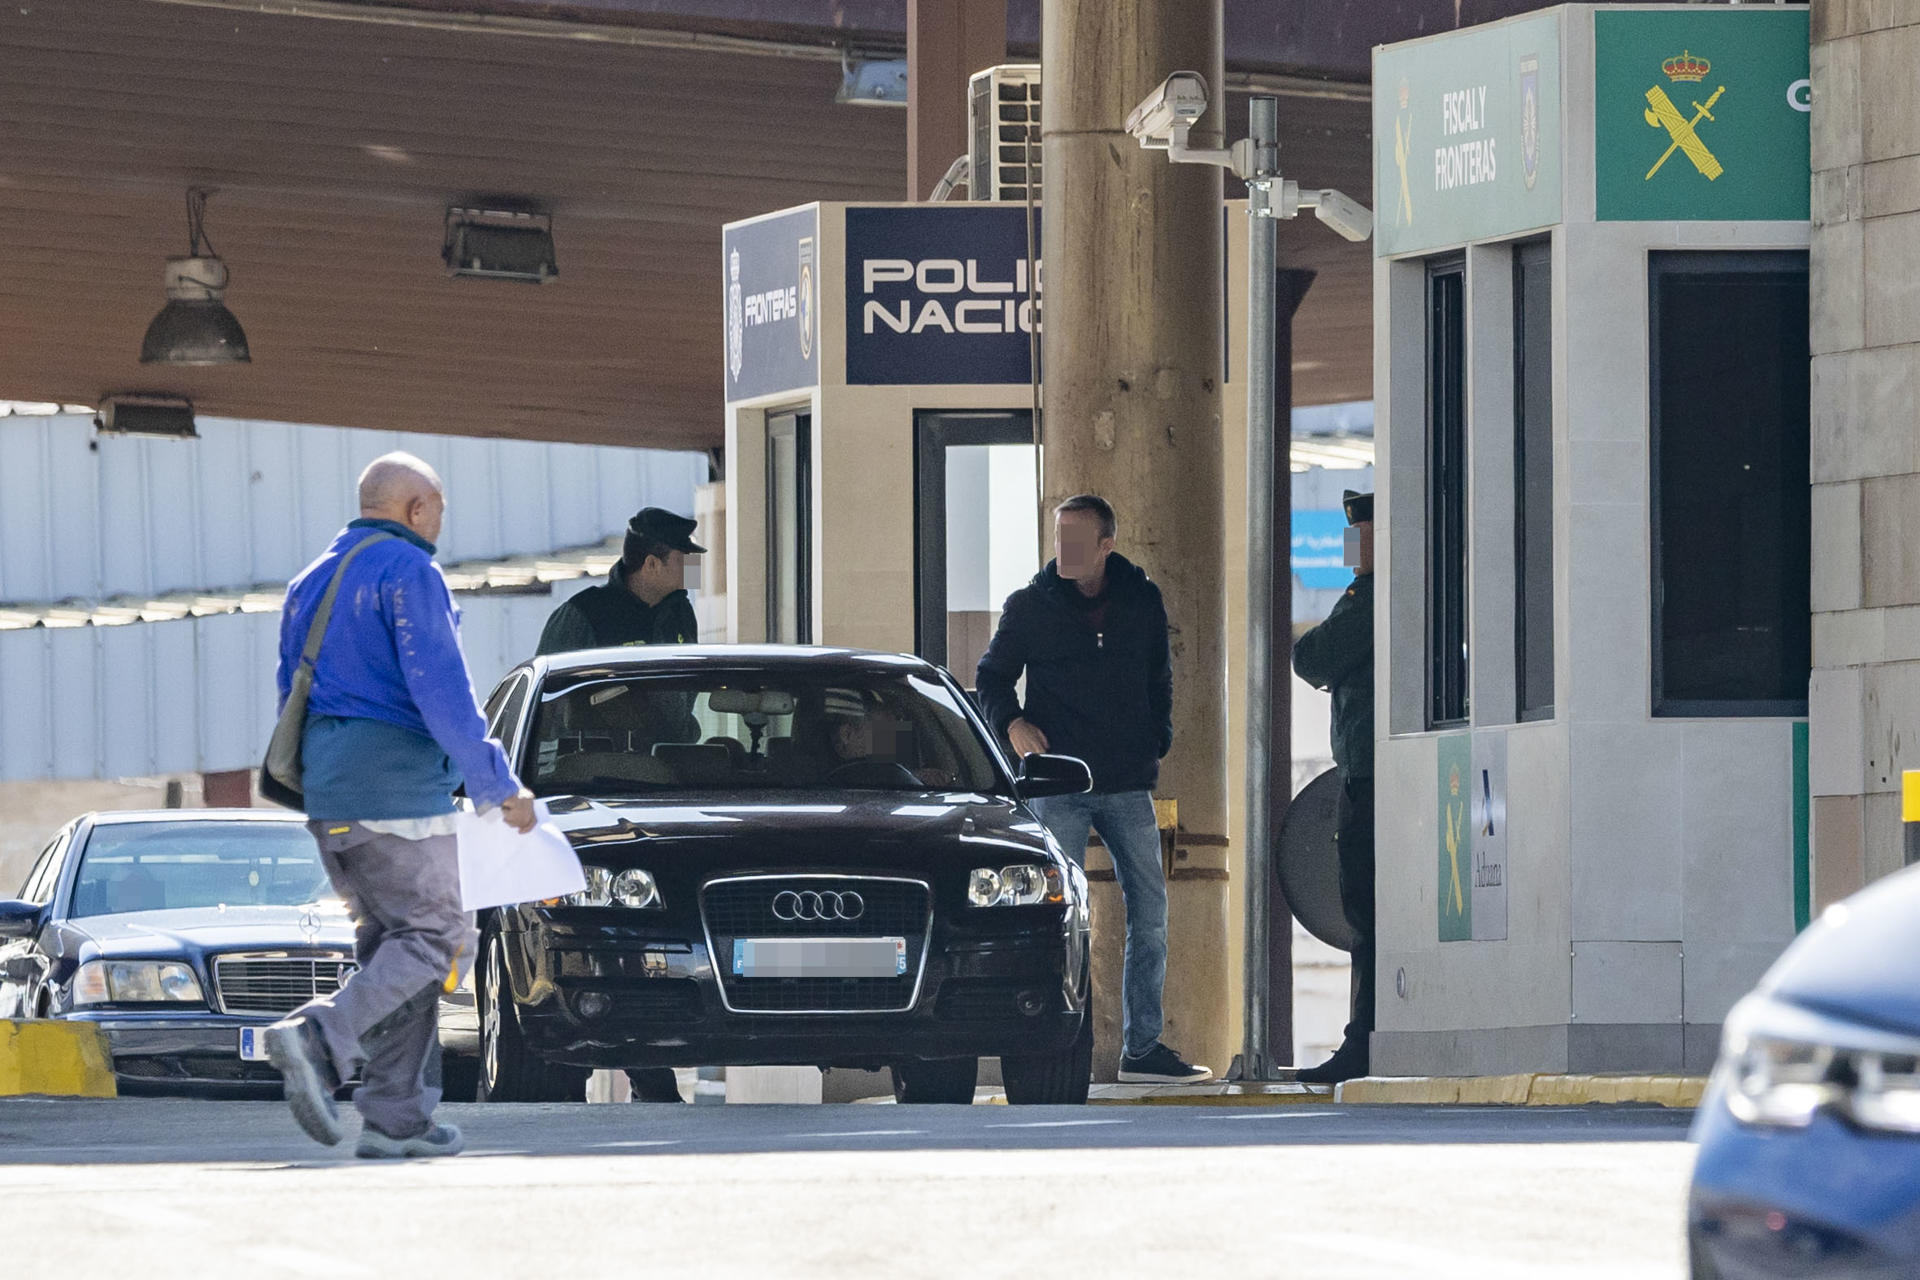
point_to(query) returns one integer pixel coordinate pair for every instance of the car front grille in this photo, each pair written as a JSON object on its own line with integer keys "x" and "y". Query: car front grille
{"x": 272, "y": 986}
{"x": 744, "y": 908}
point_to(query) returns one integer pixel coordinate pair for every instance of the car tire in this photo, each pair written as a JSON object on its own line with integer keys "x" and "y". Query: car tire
{"x": 509, "y": 1070}
{"x": 459, "y": 1079}
{"x": 948, "y": 1080}
{"x": 1052, "y": 1079}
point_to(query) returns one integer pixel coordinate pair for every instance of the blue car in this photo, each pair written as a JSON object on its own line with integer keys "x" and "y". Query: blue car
{"x": 1809, "y": 1133}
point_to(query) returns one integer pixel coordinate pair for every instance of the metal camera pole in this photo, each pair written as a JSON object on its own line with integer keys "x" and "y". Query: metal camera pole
{"x": 1263, "y": 116}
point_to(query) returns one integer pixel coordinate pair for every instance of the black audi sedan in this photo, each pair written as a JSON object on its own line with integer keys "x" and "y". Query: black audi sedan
{"x": 181, "y": 933}
{"x": 794, "y": 856}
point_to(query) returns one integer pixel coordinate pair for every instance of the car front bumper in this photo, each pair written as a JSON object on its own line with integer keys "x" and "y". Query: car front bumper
{"x": 1826, "y": 1202}
{"x": 979, "y": 996}
{"x": 194, "y": 1051}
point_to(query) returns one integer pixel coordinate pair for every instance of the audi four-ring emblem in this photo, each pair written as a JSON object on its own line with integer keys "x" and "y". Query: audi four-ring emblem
{"x": 820, "y": 905}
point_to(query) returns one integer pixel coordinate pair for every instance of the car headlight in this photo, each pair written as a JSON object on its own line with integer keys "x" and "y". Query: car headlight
{"x": 632, "y": 888}
{"x": 1780, "y": 1066}
{"x": 136, "y": 982}
{"x": 1016, "y": 886}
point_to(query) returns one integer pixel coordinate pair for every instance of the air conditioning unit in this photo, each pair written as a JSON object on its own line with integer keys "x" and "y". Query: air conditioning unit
{"x": 1003, "y": 120}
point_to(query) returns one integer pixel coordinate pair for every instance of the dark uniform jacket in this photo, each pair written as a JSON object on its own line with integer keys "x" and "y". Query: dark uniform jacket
{"x": 1337, "y": 656}
{"x": 609, "y": 615}
{"x": 1099, "y": 673}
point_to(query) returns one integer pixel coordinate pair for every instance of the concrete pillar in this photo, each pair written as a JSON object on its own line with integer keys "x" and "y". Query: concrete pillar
{"x": 1132, "y": 252}
{"x": 947, "y": 41}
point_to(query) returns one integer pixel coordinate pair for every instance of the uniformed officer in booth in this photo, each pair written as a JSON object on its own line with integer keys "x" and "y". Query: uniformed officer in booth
{"x": 1337, "y": 656}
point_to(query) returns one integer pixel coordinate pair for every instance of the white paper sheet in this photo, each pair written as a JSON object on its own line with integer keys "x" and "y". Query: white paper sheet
{"x": 499, "y": 866}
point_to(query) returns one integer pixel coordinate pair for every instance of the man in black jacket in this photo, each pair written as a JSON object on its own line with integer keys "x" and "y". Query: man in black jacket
{"x": 1337, "y": 656}
{"x": 643, "y": 600}
{"x": 1090, "y": 632}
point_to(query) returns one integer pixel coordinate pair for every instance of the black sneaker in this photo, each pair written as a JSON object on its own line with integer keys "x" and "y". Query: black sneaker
{"x": 295, "y": 1049}
{"x": 1161, "y": 1065}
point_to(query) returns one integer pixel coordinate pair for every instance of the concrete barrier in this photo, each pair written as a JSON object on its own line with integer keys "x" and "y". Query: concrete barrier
{"x": 60, "y": 1059}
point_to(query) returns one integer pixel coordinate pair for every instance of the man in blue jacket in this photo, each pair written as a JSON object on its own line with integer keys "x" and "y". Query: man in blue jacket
{"x": 1090, "y": 632}
{"x": 391, "y": 731}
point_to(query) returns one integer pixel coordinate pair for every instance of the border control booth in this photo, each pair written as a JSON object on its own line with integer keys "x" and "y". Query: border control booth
{"x": 882, "y": 492}
{"x": 1591, "y": 371}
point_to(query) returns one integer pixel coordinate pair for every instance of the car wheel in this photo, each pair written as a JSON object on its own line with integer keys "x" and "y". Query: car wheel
{"x": 948, "y": 1080}
{"x": 509, "y": 1069}
{"x": 1052, "y": 1079}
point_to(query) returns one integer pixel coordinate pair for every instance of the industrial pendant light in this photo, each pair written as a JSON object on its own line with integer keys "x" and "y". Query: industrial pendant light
{"x": 195, "y": 327}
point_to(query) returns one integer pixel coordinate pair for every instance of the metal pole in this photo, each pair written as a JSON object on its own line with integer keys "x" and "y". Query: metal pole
{"x": 1264, "y": 121}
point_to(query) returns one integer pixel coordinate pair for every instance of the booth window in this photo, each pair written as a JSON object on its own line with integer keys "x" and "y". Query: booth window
{"x": 1446, "y": 492}
{"x": 1732, "y": 519}
{"x": 1533, "y": 478}
{"x": 789, "y": 528}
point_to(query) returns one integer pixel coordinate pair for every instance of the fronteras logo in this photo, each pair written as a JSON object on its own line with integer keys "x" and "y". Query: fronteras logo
{"x": 806, "y": 298}
{"x": 1403, "y": 152}
{"x": 1530, "y": 119}
{"x": 736, "y": 319}
{"x": 1662, "y": 114}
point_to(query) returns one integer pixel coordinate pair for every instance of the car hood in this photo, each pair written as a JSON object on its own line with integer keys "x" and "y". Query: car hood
{"x": 1858, "y": 960}
{"x": 769, "y": 818}
{"x": 228, "y": 928}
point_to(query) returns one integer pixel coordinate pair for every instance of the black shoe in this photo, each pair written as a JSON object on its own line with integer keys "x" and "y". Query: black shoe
{"x": 1161, "y": 1065}
{"x": 1347, "y": 1063}
{"x": 654, "y": 1084}
{"x": 295, "y": 1049}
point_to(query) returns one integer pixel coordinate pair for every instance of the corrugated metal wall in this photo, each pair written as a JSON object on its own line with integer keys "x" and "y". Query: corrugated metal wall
{"x": 249, "y": 503}
{"x": 89, "y": 517}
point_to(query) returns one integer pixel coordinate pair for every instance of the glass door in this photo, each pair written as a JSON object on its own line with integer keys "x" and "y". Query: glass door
{"x": 977, "y": 538}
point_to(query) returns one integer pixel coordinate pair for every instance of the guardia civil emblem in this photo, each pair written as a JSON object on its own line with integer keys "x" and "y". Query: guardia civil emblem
{"x": 1683, "y": 68}
{"x": 1402, "y": 154}
{"x": 1530, "y": 119}
{"x": 736, "y": 319}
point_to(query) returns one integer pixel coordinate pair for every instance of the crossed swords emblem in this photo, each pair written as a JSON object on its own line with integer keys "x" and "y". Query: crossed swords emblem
{"x": 1662, "y": 114}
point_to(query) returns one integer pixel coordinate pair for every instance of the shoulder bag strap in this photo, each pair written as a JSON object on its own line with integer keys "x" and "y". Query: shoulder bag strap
{"x": 318, "y": 630}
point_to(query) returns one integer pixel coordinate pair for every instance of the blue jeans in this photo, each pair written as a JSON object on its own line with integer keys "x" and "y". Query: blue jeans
{"x": 1127, "y": 827}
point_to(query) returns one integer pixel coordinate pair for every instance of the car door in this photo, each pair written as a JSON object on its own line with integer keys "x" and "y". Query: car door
{"x": 22, "y": 964}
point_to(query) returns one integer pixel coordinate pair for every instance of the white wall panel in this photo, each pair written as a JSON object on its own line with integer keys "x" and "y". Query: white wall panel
{"x": 26, "y": 717}
{"x": 85, "y": 517}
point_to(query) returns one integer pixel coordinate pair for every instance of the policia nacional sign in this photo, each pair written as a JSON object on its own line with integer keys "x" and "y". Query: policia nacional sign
{"x": 1701, "y": 114}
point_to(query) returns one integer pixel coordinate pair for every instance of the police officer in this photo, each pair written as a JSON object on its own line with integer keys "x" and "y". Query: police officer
{"x": 1337, "y": 656}
{"x": 643, "y": 600}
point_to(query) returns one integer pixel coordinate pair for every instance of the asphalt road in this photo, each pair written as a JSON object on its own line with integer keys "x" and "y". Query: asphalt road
{"x": 159, "y": 1188}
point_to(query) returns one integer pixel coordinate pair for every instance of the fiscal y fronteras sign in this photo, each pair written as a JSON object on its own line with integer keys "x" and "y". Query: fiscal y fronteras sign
{"x": 940, "y": 295}
{"x": 1466, "y": 131}
{"x": 770, "y": 292}
{"x": 1701, "y": 114}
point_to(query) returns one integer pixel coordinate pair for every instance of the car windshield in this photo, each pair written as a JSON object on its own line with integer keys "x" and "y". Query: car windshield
{"x": 733, "y": 731}
{"x": 171, "y": 866}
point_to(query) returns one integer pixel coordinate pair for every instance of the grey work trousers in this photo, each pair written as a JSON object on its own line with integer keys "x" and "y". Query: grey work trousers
{"x": 411, "y": 940}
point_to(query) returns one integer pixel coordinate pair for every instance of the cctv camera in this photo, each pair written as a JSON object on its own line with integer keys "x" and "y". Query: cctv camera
{"x": 1347, "y": 216}
{"x": 1180, "y": 100}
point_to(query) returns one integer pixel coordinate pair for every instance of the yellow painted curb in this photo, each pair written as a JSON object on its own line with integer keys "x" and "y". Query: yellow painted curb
{"x": 61, "y": 1059}
{"x": 1541, "y": 1090}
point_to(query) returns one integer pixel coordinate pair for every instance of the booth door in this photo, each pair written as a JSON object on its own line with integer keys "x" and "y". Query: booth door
{"x": 977, "y": 535}
{"x": 789, "y": 527}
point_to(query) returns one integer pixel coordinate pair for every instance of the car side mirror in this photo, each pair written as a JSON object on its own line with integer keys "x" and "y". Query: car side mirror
{"x": 1047, "y": 775}
{"x": 19, "y": 919}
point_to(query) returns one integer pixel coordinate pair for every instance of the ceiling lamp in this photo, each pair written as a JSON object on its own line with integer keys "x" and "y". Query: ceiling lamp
{"x": 195, "y": 327}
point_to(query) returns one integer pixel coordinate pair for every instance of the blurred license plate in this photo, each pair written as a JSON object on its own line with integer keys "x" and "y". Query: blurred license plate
{"x": 819, "y": 957}
{"x": 253, "y": 1044}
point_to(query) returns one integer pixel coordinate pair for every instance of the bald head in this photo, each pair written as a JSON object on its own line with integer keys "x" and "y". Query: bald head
{"x": 402, "y": 488}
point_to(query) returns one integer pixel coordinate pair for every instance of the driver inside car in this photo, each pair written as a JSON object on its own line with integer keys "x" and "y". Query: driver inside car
{"x": 875, "y": 735}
